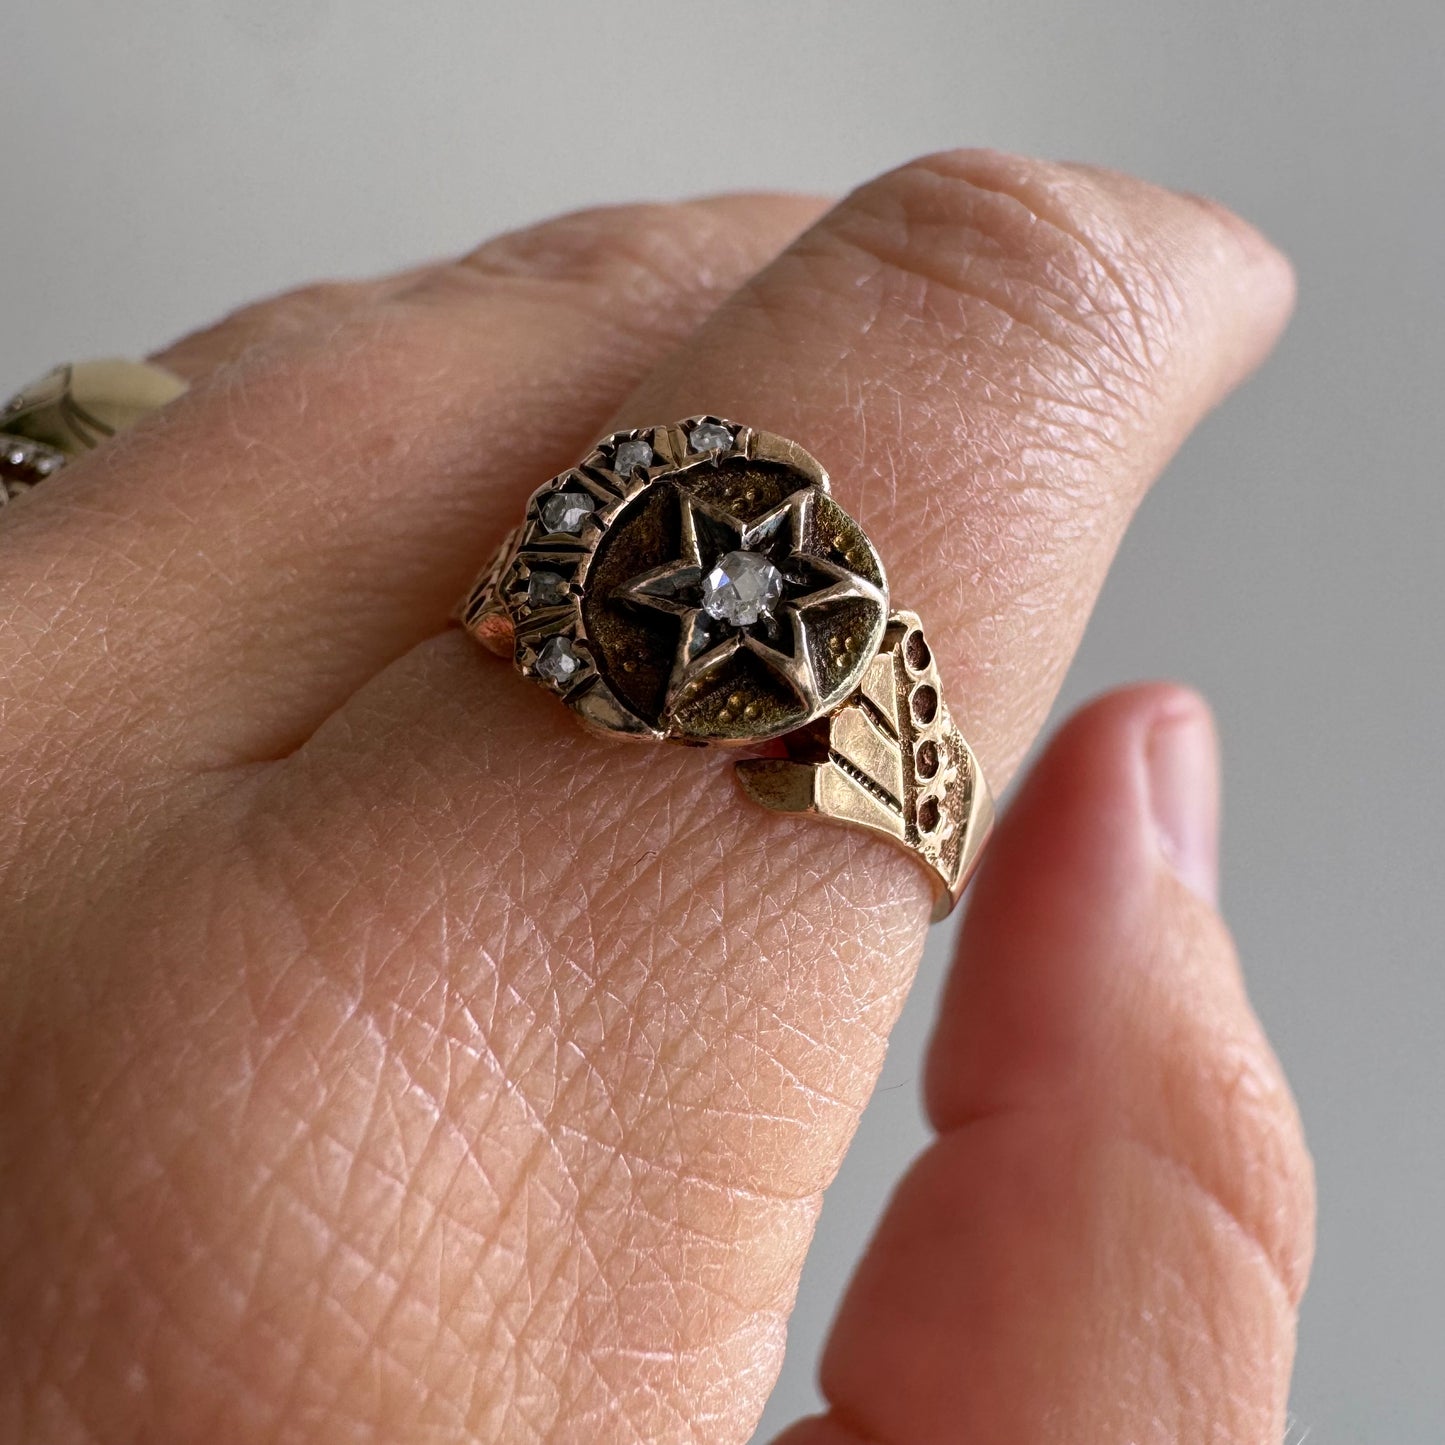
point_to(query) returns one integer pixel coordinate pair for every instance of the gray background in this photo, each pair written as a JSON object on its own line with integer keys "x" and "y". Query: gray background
{"x": 164, "y": 161}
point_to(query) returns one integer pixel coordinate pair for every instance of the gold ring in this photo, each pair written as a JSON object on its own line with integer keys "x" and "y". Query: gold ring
{"x": 697, "y": 583}
{"x": 70, "y": 410}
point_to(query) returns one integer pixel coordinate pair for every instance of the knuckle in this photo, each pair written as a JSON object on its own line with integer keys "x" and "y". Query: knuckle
{"x": 1000, "y": 246}
{"x": 627, "y": 245}
{"x": 1263, "y": 1144}
{"x": 1225, "y": 1112}
{"x": 313, "y": 302}
{"x": 260, "y": 324}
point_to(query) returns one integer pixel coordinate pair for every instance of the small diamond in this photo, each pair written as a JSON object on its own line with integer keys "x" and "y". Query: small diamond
{"x": 566, "y": 511}
{"x": 558, "y": 660}
{"x": 710, "y": 436}
{"x": 742, "y": 588}
{"x": 546, "y": 589}
{"x": 631, "y": 455}
{"x": 18, "y": 453}
{"x": 47, "y": 464}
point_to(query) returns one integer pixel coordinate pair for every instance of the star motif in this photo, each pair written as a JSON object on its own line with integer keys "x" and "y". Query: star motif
{"x": 779, "y": 635}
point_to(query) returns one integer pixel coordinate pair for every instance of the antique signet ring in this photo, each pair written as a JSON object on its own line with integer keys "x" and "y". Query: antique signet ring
{"x": 697, "y": 583}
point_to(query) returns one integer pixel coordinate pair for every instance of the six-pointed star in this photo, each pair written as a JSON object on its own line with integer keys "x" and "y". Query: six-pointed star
{"x": 779, "y": 636}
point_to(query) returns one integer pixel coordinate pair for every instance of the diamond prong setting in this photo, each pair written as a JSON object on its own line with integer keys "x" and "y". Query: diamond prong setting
{"x": 695, "y": 583}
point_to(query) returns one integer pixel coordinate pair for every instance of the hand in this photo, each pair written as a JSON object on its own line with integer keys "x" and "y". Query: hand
{"x": 385, "y": 1059}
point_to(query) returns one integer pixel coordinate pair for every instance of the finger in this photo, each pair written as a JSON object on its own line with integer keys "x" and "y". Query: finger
{"x": 219, "y": 580}
{"x": 1110, "y": 1236}
{"x": 994, "y": 357}
{"x": 295, "y": 315}
{"x": 1000, "y": 353}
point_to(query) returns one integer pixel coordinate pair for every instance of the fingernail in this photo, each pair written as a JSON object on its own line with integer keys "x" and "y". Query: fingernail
{"x": 1182, "y": 761}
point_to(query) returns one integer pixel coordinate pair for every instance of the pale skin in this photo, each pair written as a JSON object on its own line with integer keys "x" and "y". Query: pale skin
{"x": 384, "y": 1059}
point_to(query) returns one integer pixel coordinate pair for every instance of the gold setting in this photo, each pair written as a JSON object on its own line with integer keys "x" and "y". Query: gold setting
{"x": 892, "y": 760}
{"x": 613, "y": 593}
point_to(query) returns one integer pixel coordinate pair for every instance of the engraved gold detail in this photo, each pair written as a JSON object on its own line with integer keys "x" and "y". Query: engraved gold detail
{"x": 862, "y": 765}
{"x": 608, "y": 594}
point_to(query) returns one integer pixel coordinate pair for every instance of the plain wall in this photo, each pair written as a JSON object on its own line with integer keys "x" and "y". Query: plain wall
{"x": 162, "y": 162}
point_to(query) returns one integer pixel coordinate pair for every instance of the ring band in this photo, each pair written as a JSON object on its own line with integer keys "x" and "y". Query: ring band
{"x": 697, "y": 583}
{"x": 72, "y": 409}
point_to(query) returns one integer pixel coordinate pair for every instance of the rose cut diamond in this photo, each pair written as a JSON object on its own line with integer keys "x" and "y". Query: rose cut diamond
{"x": 742, "y": 589}
{"x": 566, "y": 511}
{"x": 710, "y": 436}
{"x": 631, "y": 455}
{"x": 546, "y": 589}
{"x": 558, "y": 659}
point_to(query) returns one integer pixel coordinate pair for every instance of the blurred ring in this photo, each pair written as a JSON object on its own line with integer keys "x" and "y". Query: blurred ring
{"x": 71, "y": 410}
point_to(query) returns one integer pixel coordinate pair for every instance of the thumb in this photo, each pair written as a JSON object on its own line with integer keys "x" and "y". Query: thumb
{"x": 1110, "y": 1236}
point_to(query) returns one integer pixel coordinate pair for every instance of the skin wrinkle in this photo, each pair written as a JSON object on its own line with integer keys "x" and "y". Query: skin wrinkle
{"x": 1181, "y": 1114}
{"x": 1039, "y": 205}
{"x": 1124, "y": 1337}
{"x": 1263, "y": 1193}
{"x": 1224, "y": 1210}
{"x": 156, "y": 1302}
{"x": 403, "y": 1296}
{"x": 1014, "y": 313}
{"x": 588, "y": 811}
{"x": 1069, "y": 292}
{"x": 396, "y": 1293}
{"x": 650, "y": 244}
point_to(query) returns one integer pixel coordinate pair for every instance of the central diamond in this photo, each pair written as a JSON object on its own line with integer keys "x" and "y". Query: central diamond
{"x": 743, "y": 588}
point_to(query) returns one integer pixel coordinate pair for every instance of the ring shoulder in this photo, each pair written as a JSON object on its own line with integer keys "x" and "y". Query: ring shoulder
{"x": 482, "y": 611}
{"x": 889, "y": 759}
